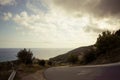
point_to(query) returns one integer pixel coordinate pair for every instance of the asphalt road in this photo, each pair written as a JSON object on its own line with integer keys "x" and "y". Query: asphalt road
{"x": 99, "y": 72}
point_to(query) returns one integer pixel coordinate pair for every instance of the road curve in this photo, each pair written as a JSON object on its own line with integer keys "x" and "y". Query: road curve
{"x": 98, "y": 72}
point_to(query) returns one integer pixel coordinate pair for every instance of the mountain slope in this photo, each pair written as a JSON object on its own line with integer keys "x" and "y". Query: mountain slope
{"x": 80, "y": 52}
{"x": 83, "y": 54}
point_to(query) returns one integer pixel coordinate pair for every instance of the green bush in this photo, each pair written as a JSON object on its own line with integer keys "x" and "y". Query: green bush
{"x": 87, "y": 58}
{"x": 107, "y": 41}
{"x": 49, "y": 63}
{"x": 41, "y": 62}
{"x": 25, "y": 56}
{"x": 72, "y": 59}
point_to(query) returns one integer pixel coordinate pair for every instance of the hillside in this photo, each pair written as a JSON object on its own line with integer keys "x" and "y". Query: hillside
{"x": 110, "y": 57}
{"x": 105, "y": 50}
{"x": 80, "y": 52}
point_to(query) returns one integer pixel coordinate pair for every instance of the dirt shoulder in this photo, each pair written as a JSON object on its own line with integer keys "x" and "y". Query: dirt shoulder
{"x": 35, "y": 76}
{"x": 30, "y": 73}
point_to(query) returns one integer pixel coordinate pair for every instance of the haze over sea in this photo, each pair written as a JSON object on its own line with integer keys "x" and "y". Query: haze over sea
{"x": 8, "y": 54}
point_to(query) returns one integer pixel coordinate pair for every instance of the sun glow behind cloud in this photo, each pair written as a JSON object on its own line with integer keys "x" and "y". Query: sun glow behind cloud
{"x": 51, "y": 25}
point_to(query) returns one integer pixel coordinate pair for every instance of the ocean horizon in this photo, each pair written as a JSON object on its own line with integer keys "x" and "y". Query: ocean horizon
{"x": 9, "y": 54}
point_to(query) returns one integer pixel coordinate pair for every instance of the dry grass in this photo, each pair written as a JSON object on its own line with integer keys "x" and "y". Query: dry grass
{"x": 25, "y": 71}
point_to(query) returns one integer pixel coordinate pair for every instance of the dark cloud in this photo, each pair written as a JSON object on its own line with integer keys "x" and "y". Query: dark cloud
{"x": 109, "y": 7}
{"x": 75, "y": 5}
{"x": 100, "y": 8}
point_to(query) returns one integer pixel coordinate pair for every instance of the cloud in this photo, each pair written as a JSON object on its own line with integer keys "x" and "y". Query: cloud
{"x": 55, "y": 27}
{"x": 94, "y": 29}
{"x": 7, "y": 2}
{"x": 37, "y": 6}
{"x": 109, "y": 7}
{"x": 64, "y": 23}
{"x": 76, "y": 6}
{"x": 99, "y": 25}
{"x": 98, "y": 8}
{"x": 7, "y": 16}
{"x": 100, "y": 15}
{"x": 32, "y": 7}
{"x": 26, "y": 20}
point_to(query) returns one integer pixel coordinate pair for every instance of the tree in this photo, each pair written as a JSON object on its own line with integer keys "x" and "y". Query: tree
{"x": 41, "y": 62}
{"x": 88, "y": 57}
{"x": 25, "y": 56}
{"x": 107, "y": 41}
{"x": 117, "y": 33}
{"x": 49, "y": 63}
{"x": 104, "y": 41}
{"x": 72, "y": 58}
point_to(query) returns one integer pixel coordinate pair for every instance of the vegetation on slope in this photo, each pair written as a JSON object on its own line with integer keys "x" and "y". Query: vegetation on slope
{"x": 105, "y": 50}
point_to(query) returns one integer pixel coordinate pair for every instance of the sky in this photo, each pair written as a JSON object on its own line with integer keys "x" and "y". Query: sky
{"x": 56, "y": 23}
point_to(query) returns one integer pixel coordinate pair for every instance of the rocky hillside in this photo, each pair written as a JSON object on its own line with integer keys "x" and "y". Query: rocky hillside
{"x": 109, "y": 57}
{"x": 80, "y": 52}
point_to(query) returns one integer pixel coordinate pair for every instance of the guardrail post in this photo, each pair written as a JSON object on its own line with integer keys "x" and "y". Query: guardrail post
{"x": 11, "y": 77}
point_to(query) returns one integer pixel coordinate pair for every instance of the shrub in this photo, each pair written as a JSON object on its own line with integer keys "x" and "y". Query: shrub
{"x": 25, "y": 56}
{"x": 107, "y": 41}
{"x": 87, "y": 58}
{"x": 41, "y": 62}
{"x": 72, "y": 58}
{"x": 49, "y": 63}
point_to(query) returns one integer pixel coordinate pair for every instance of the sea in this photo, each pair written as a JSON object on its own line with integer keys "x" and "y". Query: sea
{"x": 9, "y": 54}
